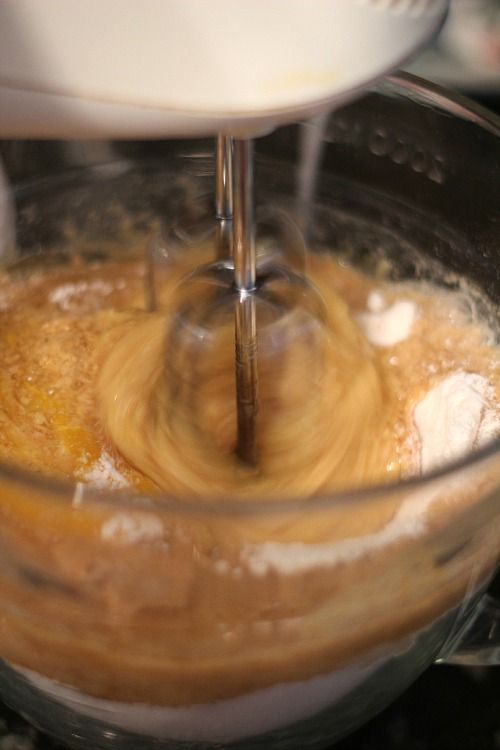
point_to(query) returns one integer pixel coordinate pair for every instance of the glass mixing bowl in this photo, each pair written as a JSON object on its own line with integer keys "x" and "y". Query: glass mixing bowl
{"x": 115, "y": 629}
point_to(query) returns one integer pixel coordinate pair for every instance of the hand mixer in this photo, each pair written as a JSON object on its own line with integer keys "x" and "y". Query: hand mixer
{"x": 181, "y": 68}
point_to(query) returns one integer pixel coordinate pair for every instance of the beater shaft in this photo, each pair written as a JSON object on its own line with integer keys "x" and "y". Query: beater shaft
{"x": 224, "y": 196}
{"x": 244, "y": 256}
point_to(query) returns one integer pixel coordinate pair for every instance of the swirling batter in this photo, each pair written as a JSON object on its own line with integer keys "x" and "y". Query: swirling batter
{"x": 85, "y": 373}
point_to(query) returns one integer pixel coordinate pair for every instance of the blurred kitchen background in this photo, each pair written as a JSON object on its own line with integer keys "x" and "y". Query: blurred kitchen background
{"x": 466, "y": 56}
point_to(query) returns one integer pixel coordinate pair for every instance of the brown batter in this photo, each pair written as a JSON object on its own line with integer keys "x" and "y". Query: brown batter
{"x": 82, "y": 377}
{"x": 83, "y": 372}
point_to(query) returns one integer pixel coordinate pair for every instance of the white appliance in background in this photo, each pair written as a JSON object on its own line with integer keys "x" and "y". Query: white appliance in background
{"x": 467, "y": 56}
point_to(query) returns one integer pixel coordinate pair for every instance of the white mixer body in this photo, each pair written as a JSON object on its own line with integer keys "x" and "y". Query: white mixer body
{"x": 164, "y": 68}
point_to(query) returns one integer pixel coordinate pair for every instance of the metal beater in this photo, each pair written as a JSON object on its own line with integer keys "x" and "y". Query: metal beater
{"x": 245, "y": 320}
{"x": 266, "y": 300}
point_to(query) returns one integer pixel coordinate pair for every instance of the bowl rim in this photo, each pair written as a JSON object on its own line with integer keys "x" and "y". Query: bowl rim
{"x": 401, "y": 84}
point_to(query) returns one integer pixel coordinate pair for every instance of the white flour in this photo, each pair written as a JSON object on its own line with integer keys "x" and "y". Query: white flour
{"x": 131, "y": 528}
{"x": 456, "y": 416}
{"x": 103, "y": 474}
{"x": 386, "y": 326}
{"x": 66, "y": 295}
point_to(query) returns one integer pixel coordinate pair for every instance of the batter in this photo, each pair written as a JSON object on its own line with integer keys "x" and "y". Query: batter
{"x": 85, "y": 379}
